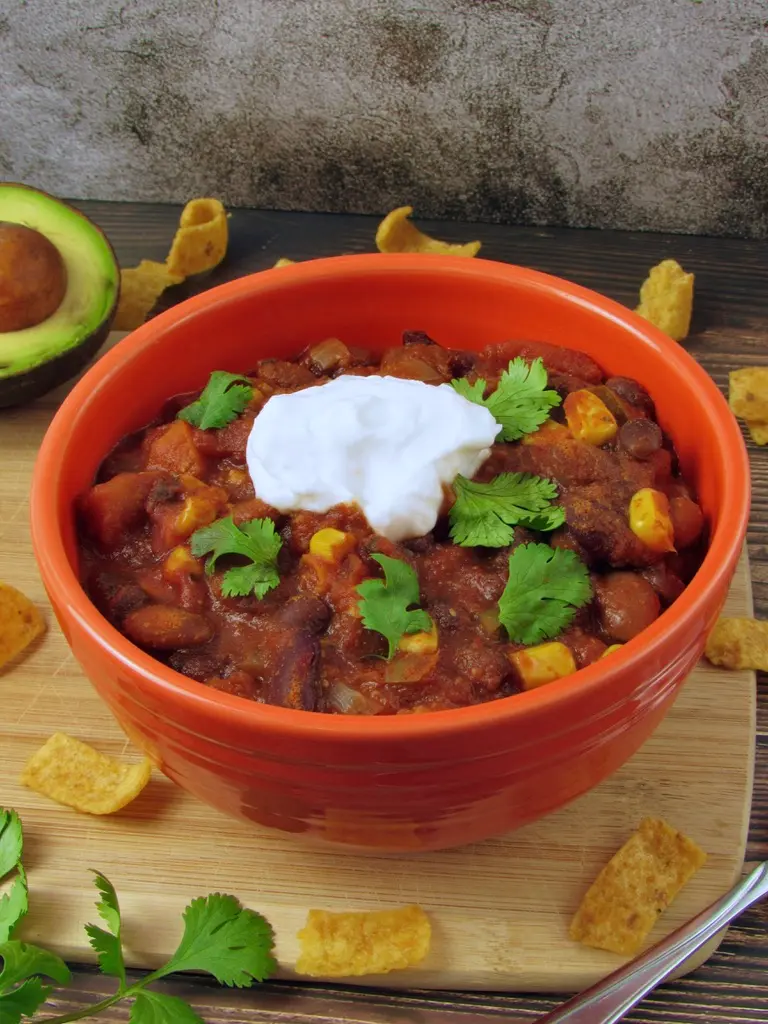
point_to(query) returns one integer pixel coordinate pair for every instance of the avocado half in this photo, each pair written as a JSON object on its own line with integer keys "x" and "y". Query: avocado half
{"x": 37, "y": 358}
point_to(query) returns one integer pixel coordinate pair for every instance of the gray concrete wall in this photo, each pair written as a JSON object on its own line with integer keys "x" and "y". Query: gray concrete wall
{"x": 608, "y": 113}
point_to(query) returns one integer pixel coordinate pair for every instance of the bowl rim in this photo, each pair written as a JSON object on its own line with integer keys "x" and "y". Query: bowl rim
{"x": 65, "y": 588}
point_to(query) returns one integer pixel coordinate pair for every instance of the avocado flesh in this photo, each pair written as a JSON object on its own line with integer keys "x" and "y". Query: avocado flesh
{"x": 89, "y": 301}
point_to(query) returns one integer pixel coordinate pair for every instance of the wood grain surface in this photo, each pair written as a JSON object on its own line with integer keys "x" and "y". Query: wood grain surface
{"x": 730, "y": 329}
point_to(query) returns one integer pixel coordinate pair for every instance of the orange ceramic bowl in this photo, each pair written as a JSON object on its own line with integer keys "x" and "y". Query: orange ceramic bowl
{"x": 406, "y": 782}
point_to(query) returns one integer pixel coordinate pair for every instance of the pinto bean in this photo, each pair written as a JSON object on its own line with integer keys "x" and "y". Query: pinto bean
{"x": 626, "y": 605}
{"x": 161, "y": 627}
{"x": 295, "y": 684}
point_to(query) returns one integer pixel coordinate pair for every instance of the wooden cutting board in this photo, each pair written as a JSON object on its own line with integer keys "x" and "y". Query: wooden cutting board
{"x": 500, "y": 909}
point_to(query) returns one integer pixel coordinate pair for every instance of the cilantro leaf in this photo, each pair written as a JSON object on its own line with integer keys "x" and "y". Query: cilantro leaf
{"x": 22, "y": 960}
{"x": 23, "y": 1000}
{"x": 545, "y": 588}
{"x": 385, "y": 603}
{"x": 155, "y": 1008}
{"x": 221, "y": 401}
{"x": 11, "y": 842}
{"x": 485, "y": 515}
{"x": 520, "y": 403}
{"x": 255, "y": 540}
{"x": 14, "y": 905}
{"x": 108, "y": 944}
{"x": 224, "y": 939}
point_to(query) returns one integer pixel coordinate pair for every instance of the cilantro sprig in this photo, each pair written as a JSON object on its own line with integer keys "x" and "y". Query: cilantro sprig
{"x": 546, "y": 587}
{"x": 255, "y": 540}
{"x": 222, "y": 400}
{"x": 386, "y": 605}
{"x": 221, "y": 938}
{"x": 485, "y": 515}
{"x": 520, "y": 403}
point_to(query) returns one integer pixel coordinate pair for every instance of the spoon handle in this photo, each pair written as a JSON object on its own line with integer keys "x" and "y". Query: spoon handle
{"x": 608, "y": 1000}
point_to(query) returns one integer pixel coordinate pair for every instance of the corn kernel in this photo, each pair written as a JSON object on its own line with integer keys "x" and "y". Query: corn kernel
{"x": 419, "y": 643}
{"x": 331, "y": 545}
{"x": 611, "y": 649}
{"x": 236, "y": 477}
{"x": 195, "y": 512}
{"x": 650, "y": 521}
{"x": 550, "y": 432}
{"x": 543, "y": 664}
{"x": 589, "y": 418}
{"x": 180, "y": 560}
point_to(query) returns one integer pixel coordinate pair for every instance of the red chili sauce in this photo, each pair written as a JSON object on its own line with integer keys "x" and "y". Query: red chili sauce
{"x": 304, "y": 645}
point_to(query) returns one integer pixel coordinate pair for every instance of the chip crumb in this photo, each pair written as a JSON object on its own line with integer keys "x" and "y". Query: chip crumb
{"x": 21, "y": 622}
{"x": 344, "y": 945}
{"x": 284, "y": 262}
{"x": 74, "y": 774}
{"x": 748, "y": 393}
{"x": 738, "y": 644}
{"x": 201, "y": 240}
{"x": 635, "y": 887}
{"x": 396, "y": 233}
{"x": 666, "y": 299}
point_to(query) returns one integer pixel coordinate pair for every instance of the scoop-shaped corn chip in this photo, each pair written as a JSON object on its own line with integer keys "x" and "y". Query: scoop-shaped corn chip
{"x": 748, "y": 393}
{"x": 739, "y": 643}
{"x": 634, "y": 887}
{"x": 666, "y": 299}
{"x": 352, "y": 944}
{"x": 76, "y": 775}
{"x": 758, "y": 432}
{"x": 201, "y": 239}
{"x": 284, "y": 262}
{"x": 20, "y": 623}
{"x": 140, "y": 288}
{"x": 396, "y": 233}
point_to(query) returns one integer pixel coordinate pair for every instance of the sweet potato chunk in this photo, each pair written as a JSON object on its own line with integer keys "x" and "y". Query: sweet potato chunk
{"x": 173, "y": 448}
{"x": 111, "y": 509}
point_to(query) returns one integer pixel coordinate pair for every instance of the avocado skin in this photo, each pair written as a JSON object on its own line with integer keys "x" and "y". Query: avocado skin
{"x": 28, "y": 385}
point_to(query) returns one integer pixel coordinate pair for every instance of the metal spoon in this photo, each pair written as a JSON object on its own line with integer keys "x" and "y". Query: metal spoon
{"x": 608, "y": 1000}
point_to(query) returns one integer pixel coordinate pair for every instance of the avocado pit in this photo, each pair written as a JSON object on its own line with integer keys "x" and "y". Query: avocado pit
{"x": 33, "y": 278}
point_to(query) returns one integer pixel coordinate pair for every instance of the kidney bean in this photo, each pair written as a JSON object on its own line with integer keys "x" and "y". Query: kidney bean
{"x": 667, "y": 584}
{"x": 687, "y": 521}
{"x": 417, "y": 338}
{"x": 309, "y": 613}
{"x": 162, "y": 627}
{"x": 295, "y": 683}
{"x": 626, "y": 605}
{"x": 641, "y": 438}
{"x": 632, "y": 393}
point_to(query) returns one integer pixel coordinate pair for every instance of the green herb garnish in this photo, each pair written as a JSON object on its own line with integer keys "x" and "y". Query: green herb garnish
{"x": 520, "y": 403}
{"x": 386, "y": 604}
{"x": 221, "y": 937}
{"x": 545, "y": 589}
{"x": 221, "y": 401}
{"x": 255, "y": 540}
{"x": 485, "y": 515}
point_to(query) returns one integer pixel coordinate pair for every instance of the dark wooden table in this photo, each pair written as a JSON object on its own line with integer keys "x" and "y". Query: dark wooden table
{"x": 730, "y": 329}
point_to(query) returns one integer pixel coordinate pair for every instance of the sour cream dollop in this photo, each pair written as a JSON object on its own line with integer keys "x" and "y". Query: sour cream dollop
{"x": 385, "y": 444}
